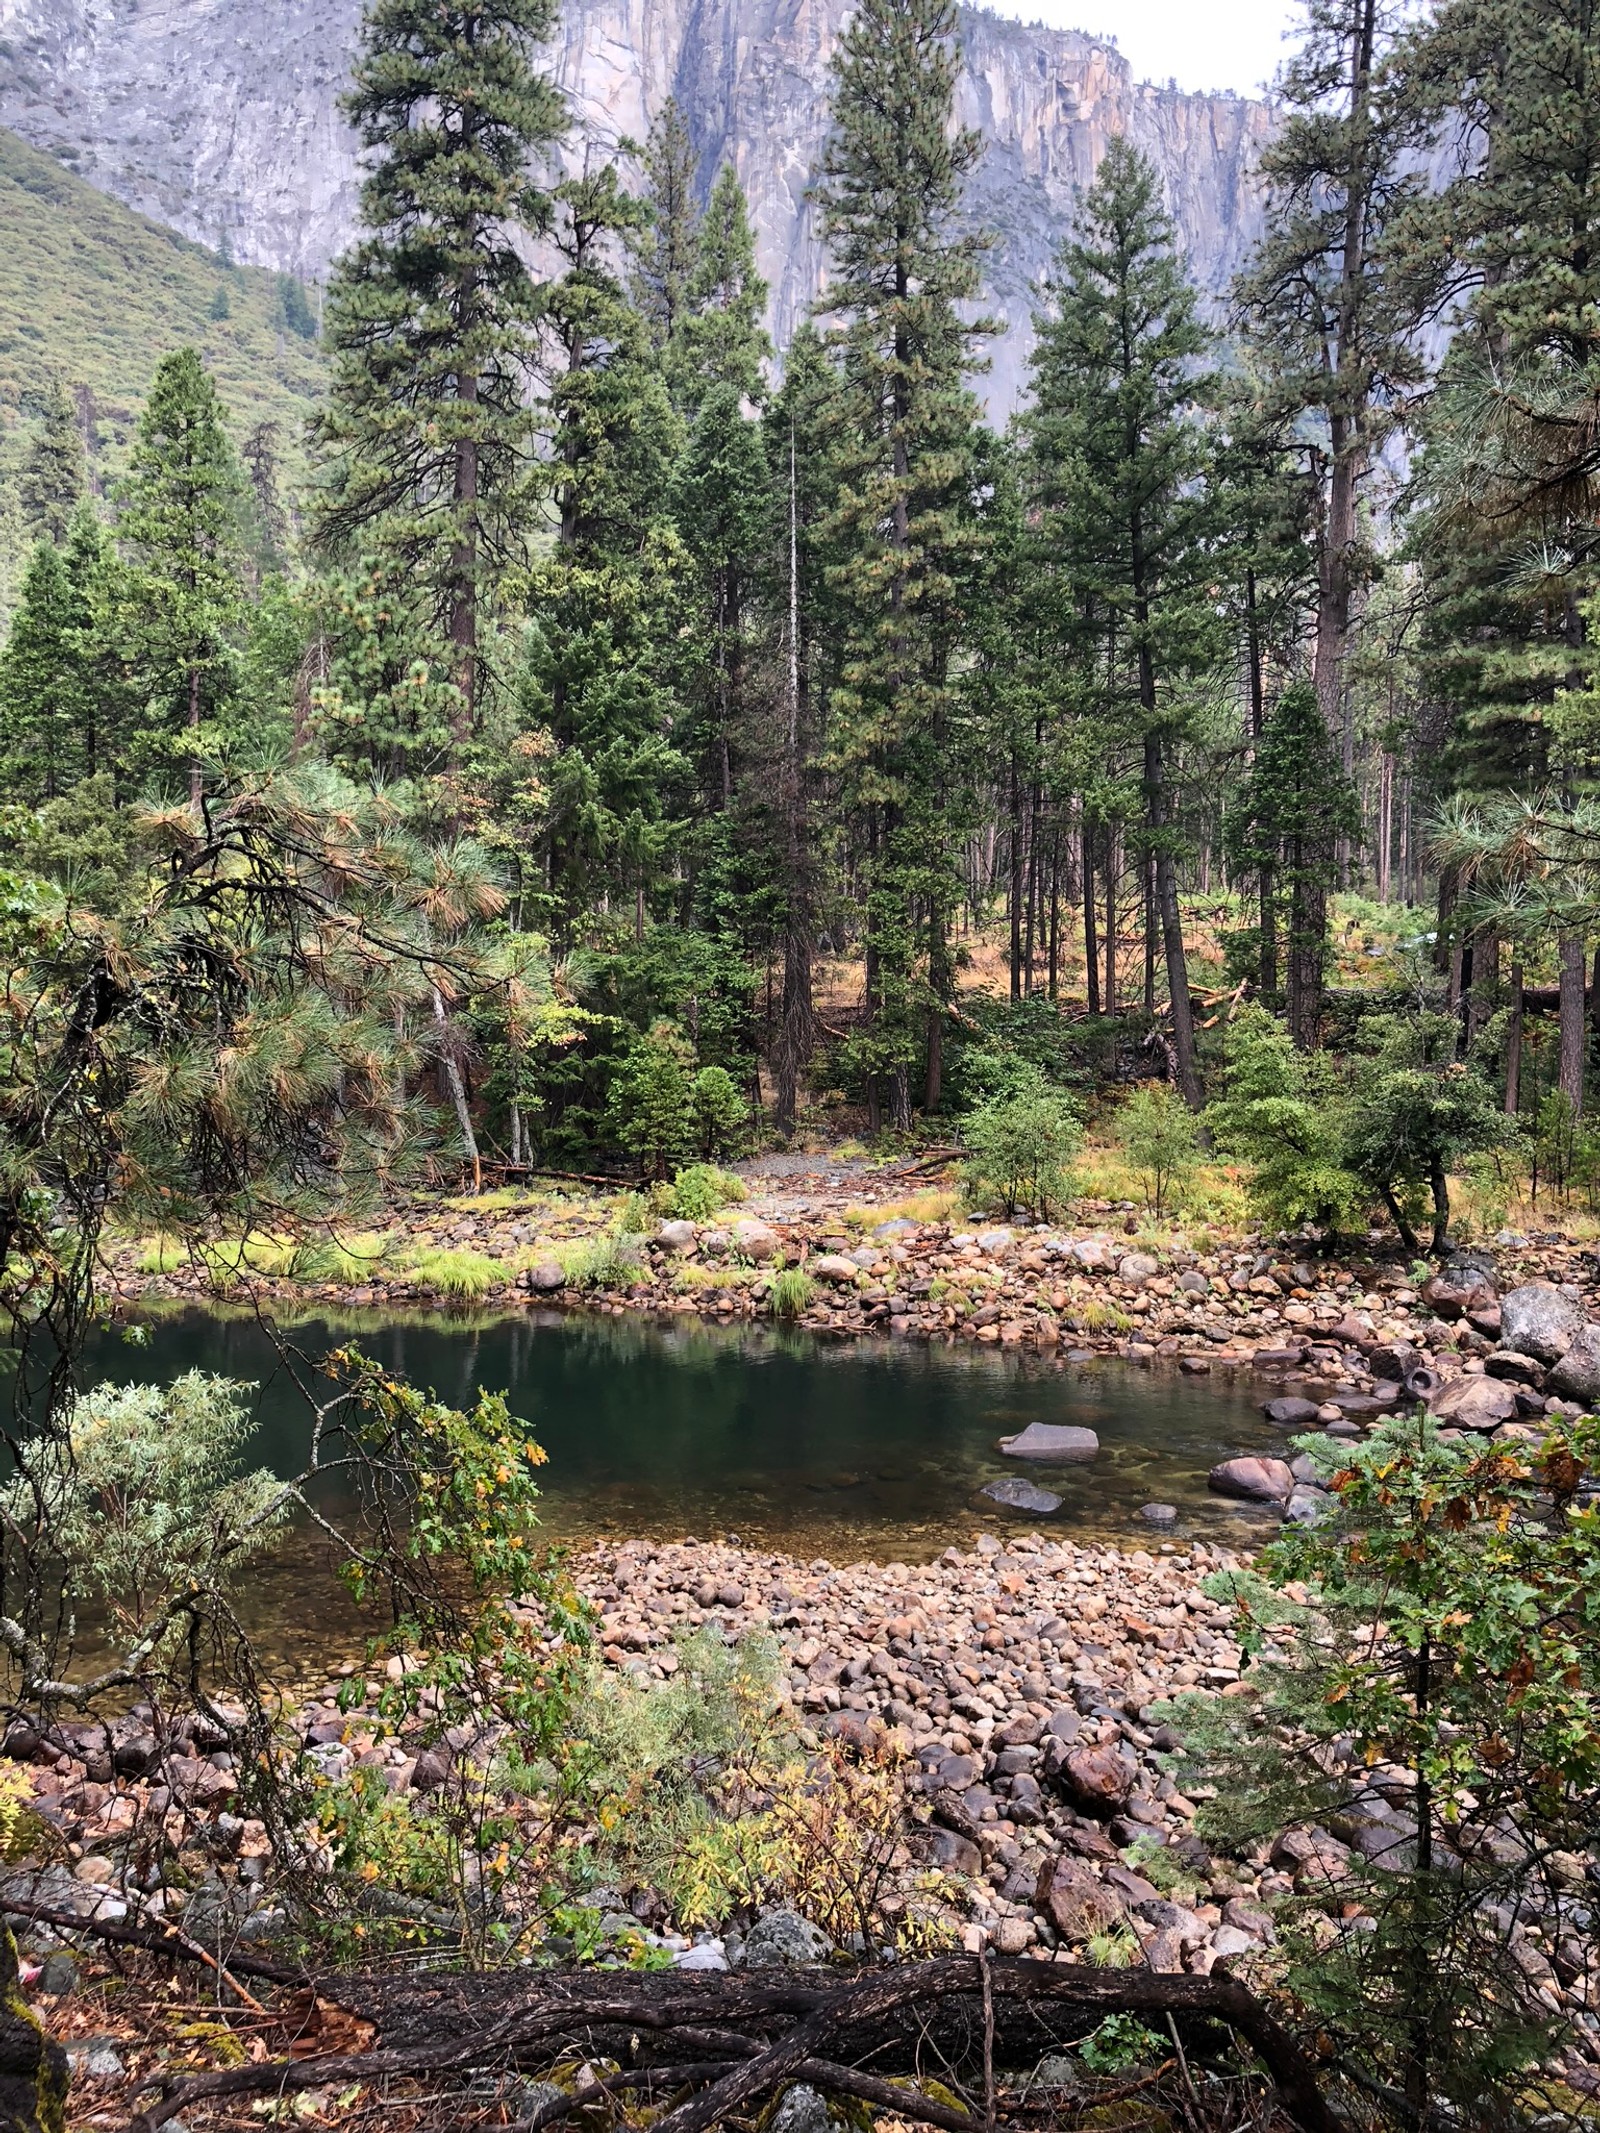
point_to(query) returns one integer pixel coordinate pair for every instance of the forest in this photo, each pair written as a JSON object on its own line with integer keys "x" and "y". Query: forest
{"x": 792, "y": 749}
{"x": 606, "y": 745}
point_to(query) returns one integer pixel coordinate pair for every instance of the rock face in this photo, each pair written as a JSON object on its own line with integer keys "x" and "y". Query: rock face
{"x": 222, "y": 116}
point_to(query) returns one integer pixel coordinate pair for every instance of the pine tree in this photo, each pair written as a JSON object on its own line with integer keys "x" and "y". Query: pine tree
{"x": 53, "y": 478}
{"x": 61, "y": 695}
{"x": 1504, "y": 505}
{"x": 271, "y": 527}
{"x": 1330, "y": 325}
{"x": 606, "y": 596}
{"x": 178, "y": 525}
{"x": 904, "y": 262}
{"x": 1121, "y": 457}
{"x": 664, "y": 242}
{"x": 428, "y": 433}
{"x": 1296, "y": 806}
{"x": 719, "y": 339}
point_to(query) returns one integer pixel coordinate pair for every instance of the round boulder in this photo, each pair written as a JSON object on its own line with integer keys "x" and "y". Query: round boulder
{"x": 1577, "y": 1374}
{"x": 1474, "y": 1403}
{"x": 1290, "y": 1412}
{"x": 1252, "y": 1480}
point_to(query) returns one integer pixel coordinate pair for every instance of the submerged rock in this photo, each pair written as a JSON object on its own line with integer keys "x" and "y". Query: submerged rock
{"x": 1062, "y": 1441}
{"x": 1252, "y": 1480}
{"x": 1019, "y": 1495}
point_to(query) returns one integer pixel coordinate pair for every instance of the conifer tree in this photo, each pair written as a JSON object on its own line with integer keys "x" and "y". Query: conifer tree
{"x": 1329, "y": 323}
{"x": 38, "y": 713}
{"x": 719, "y": 339}
{"x": 428, "y": 433}
{"x": 606, "y": 595}
{"x": 53, "y": 478}
{"x": 1120, "y": 454}
{"x": 904, "y": 262}
{"x": 178, "y": 525}
{"x": 1296, "y": 806}
{"x": 664, "y": 242}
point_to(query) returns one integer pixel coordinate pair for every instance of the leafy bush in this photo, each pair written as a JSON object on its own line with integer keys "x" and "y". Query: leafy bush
{"x": 605, "y": 1262}
{"x": 699, "y": 1191}
{"x": 1161, "y": 1138}
{"x": 146, "y": 1500}
{"x": 1434, "y": 1648}
{"x": 1021, "y": 1147}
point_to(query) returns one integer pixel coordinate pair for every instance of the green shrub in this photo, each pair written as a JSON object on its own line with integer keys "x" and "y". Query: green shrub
{"x": 1160, "y": 1136}
{"x": 700, "y": 1190}
{"x": 607, "y": 1262}
{"x": 719, "y": 1113}
{"x": 790, "y": 1292}
{"x": 1021, "y": 1147}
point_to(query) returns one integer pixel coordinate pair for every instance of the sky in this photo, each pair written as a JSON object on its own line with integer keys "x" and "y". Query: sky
{"x": 1201, "y": 44}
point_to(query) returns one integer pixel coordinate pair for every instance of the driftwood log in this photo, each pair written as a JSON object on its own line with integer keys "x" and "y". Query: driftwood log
{"x": 731, "y": 2039}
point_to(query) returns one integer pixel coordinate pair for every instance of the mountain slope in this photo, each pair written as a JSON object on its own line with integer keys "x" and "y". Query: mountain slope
{"x": 222, "y": 116}
{"x": 97, "y": 294}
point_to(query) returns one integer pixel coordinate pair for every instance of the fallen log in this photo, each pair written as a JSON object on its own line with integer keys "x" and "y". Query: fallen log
{"x": 750, "y": 2033}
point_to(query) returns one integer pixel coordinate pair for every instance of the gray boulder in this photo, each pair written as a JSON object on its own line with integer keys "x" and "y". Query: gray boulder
{"x": 1307, "y": 1506}
{"x": 755, "y": 1240}
{"x": 1019, "y": 1495}
{"x": 1577, "y": 1374}
{"x": 1290, "y": 1412}
{"x": 782, "y": 1937}
{"x": 1538, "y": 1320}
{"x": 801, "y": 2109}
{"x": 1063, "y": 1442}
{"x": 545, "y": 1277}
{"x": 678, "y": 1236}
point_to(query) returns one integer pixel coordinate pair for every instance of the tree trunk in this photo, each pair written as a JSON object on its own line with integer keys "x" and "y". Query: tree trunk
{"x": 1016, "y": 880}
{"x": 1113, "y": 858}
{"x": 1385, "y": 825}
{"x": 939, "y": 986}
{"x": 1091, "y": 945}
{"x": 1514, "y": 1045}
{"x": 195, "y": 785}
{"x": 1269, "y": 933}
{"x": 458, "y": 1091}
{"x": 1166, "y": 901}
{"x": 1307, "y": 930}
{"x": 1574, "y": 1030}
{"x": 464, "y": 568}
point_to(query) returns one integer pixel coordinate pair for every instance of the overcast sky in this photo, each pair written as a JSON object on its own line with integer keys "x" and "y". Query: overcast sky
{"x": 1201, "y": 44}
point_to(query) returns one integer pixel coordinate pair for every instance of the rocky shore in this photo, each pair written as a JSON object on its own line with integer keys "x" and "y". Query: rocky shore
{"x": 1019, "y": 1681}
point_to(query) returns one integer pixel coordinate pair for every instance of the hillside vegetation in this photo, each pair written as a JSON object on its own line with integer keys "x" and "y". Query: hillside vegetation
{"x": 96, "y": 294}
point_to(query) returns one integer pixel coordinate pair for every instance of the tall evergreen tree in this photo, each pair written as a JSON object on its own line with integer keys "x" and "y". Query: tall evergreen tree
{"x": 53, "y": 476}
{"x": 719, "y": 339}
{"x": 178, "y": 510}
{"x": 664, "y": 242}
{"x": 1121, "y": 456}
{"x": 427, "y": 437}
{"x": 62, "y": 700}
{"x": 1329, "y": 323}
{"x": 904, "y": 262}
{"x": 605, "y": 597}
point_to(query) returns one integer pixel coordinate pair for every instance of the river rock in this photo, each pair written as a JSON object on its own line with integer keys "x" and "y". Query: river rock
{"x": 781, "y": 1936}
{"x": 1290, "y": 1412}
{"x": 755, "y": 1240}
{"x": 1473, "y": 1403}
{"x": 1094, "y": 1254}
{"x": 1096, "y": 1780}
{"x": 678, "y": 1236}
{"x": 1159, "y": 1514}
{"x": 1452, "y": 1294}
{"x": 545, "y": 1277}
{"x": 1538, "y": 1320}
{"x": 995, "y": 1242}
{"x": 1307, "y": 1506}
{"x": 801, "y": 2109}
{"x": 832, "y": 1266}
{"x": 1577, "y": 1374}
{"x": 1252, "y": 1480}
{"x": 1517, "y": 1369}
{"x": 1063, "y": 1442}
{"x": 1392, "y": 1362}
{"x": 1138, "y": 1267}
{"x": 1077, "y": 1903}
{"x": 1019, "y": 1495}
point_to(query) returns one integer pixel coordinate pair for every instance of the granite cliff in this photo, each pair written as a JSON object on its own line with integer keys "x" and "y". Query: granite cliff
{"x": 220, "y": 118}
